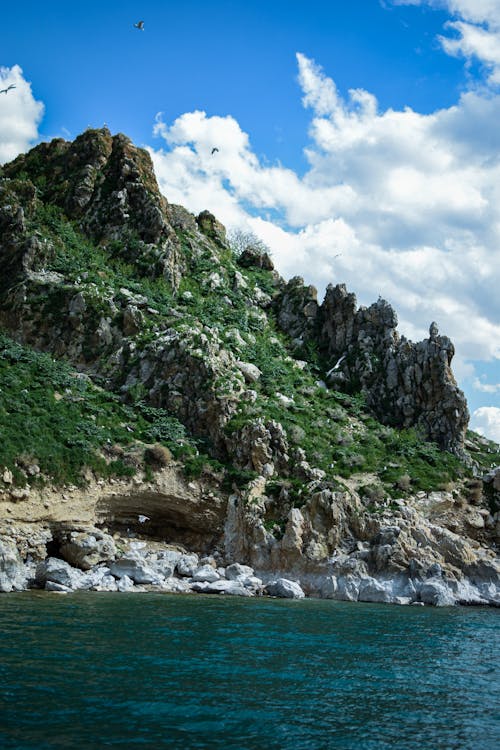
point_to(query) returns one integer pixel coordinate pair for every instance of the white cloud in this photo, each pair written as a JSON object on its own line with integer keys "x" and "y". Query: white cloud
{"x": 394, "y": 203}
{"x": 475, "y": 33}
{"x": 486, "y": 421}
{"x": 20, "y": 114}
{"x": 483, "y": 387}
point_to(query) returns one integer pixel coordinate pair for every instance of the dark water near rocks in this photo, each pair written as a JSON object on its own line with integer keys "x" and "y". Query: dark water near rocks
{"x": 160, "y": 671}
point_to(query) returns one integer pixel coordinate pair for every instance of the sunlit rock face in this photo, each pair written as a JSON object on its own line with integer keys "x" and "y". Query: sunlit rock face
{"x": 258, "y": 421}
{"x": 406, "y": 384}
{"x": 108, "y": 186}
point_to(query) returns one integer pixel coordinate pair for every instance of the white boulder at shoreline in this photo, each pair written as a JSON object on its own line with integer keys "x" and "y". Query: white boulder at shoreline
{"x": 138, "y": 566}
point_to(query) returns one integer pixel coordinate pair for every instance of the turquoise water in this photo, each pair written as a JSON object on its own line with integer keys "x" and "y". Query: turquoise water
{"x": 160, "y": 671}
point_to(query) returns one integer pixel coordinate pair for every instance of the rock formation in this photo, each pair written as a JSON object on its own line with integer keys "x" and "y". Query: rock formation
{"x": 405, "y": 384}
{"x": 231, "y": 434}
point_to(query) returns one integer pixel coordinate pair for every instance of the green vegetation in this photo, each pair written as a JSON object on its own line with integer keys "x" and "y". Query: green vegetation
{"x": 335, "y": 429}
{"x": 482, "y": 450}
{"x": 55, "y": 419}
{"x": 101, "y": 269}
{"x": 62, "y": 422}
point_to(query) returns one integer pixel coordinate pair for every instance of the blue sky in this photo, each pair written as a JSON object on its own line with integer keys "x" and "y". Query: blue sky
{"x": 364, "y": 128}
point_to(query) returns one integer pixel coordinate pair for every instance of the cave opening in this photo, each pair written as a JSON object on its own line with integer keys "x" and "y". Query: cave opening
{"x": 164, "y": 519}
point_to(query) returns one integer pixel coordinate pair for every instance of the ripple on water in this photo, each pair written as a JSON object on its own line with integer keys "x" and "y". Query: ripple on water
{"x": 152, "y": 670}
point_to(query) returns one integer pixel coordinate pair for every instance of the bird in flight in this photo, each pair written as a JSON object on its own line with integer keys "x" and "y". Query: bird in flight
{"x": 143, "y": 519}
{"x": 139, "y": 25}
{"x": 9, "y": 88}
{"x": 215, "y": 149}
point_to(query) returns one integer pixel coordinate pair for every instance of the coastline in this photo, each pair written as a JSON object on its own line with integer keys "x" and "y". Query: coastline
{"x": 171, "y": 534}
{"x": 152, "y": 567}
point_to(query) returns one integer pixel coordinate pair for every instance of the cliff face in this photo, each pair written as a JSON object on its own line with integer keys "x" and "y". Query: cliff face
{"x": 311, "y": 427}
{"x": 406, "y": 384}
{"x": 109, "y": 187}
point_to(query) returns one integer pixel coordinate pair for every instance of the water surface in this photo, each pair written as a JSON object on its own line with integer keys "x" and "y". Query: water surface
{"x": 95, "y": 670}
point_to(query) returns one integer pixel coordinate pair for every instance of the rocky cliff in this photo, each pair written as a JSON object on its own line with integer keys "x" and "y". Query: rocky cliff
{"x": 189, "y": 384}
{"x": 405, "y": 384}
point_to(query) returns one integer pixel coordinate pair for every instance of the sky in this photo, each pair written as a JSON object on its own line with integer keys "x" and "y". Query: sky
{"x": 359, "y": 139}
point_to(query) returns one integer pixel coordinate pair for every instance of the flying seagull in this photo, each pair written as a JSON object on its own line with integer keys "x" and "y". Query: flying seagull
{"x": 139, "y": 25}
{"x": 143, "y": 519}
{"x": 214, "y": 150}
{"x": 9, "y": 88}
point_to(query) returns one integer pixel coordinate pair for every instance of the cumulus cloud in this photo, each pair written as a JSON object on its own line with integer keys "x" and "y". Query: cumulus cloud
{"x": 480, "y": 385}
{"x": 20, "y": 114}
{"x": 475, "y": 34}
{"x": 486, "y": 421}
{"x": 394, "y": 202}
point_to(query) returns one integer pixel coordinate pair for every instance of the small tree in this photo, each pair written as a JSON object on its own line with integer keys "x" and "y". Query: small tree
{"x": 241, "y": 240}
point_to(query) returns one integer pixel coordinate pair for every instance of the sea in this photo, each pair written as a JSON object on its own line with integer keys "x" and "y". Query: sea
{"x": 148, "y": 670}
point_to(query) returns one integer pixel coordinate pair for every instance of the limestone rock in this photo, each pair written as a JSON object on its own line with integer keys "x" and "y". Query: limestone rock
{"x": 87, "y": 548}
{"x": 372, "y": 590}
{"x": 109, "y": 186}
{"x": 57, "y": 588}
{"x": 255, "y": 257}
{"x": 13, "y": 572}
{"x": 297, "y": 308}
{"x": 405, "y": 384}
{"x": 236, "y": 572}
{"x": 231, "y": 588}
{"x": 251, "y": 373}
{"x": 212, "y": 228}
{"x": 262, "y": 446}
{"x": 54, "y": 570}
{"x": 187, "y": 565}
{"x": 284, "y": 588}
{"x": 124, "y": 584}
{"x": 434, "y": 591}
{"x": 99, "y": 579}
{"x": 165, "y": 562}
{"x": 135, "y": 568}
{"x": 7, "y": 477}
{"x": 206, "y": 573}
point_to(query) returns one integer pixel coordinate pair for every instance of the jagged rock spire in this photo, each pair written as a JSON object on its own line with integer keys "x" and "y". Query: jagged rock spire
{"x": 406, "y": 384}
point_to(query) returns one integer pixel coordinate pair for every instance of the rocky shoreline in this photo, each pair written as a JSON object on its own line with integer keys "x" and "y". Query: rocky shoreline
{"x": 95, "y": 561}
{"x": 166, "y": 533}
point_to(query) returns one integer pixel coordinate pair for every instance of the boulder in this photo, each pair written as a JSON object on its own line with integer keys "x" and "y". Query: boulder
{"x": 58, "y": 588}
{"x": 436, "y": 592}
{"x": 13, "y": 572}
{"x": 165, "y": 561}
{"x": 347, "y": 588}
{"x": 206, "y": 573}
{"x": 284, "y": 588}
{"x": 98, "y": 579}
{"x": 124, "y": 584}
{"x": 53, "y": 570}
{"x": 232, "y": 588}
{"x": 187, "y": 565}
{"x": 176, "y": 585}
{"x": 371, "y": 590}
{"x": 250, "y": 372}
{"x": 255, "y": 257}
{"x": 235, "y": 572}
{"x": 135, "y": 568}
{"x": 88, "y": 548}
{"x": 107, "y": 583}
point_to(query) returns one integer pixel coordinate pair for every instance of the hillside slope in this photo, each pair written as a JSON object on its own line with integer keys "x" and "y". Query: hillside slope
{"x": 140, "y": 351}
